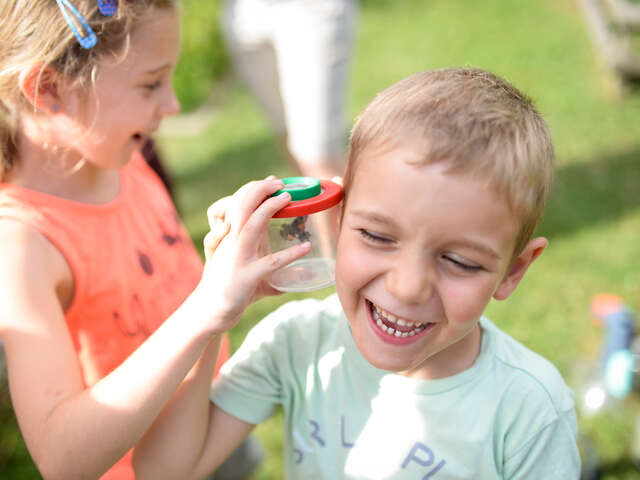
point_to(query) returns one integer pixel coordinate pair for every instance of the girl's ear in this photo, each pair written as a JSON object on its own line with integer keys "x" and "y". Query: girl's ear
{"x": 40, "y": 86}
{"x": 531, "y": 251}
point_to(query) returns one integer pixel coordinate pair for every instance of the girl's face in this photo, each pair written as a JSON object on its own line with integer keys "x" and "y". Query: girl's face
{"x": 130, "y": 97}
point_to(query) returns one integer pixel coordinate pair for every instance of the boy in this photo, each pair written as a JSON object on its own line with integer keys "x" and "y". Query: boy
{"x": 403, "y": 377}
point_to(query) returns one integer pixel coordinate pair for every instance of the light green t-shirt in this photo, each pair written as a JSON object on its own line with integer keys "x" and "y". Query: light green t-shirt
{"x": 508, "y": 416}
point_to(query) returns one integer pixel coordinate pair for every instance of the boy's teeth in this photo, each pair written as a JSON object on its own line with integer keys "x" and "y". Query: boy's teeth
{"x": 378, "y": 312}
{"x": 379, "y": 315}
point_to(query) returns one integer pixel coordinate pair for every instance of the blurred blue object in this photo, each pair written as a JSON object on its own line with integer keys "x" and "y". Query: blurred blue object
{"x": 618, "y": 358}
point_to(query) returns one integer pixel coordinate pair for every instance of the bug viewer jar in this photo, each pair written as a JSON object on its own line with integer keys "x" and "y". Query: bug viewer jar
{"x": 310, "y": 216}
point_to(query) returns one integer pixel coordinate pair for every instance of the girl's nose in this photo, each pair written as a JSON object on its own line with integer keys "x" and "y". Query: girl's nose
{"x": 410, "y": 279}
{"x": 171, "y": 104}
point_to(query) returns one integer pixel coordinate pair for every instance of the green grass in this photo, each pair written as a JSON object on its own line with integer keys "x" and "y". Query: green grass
{"x": 203, "y": 57}
{"x": 593, "y": 217}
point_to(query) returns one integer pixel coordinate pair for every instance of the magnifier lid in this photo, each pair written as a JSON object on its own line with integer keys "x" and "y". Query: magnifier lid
{"x": 300, "y": 188}
{"x": 329, "y": 196}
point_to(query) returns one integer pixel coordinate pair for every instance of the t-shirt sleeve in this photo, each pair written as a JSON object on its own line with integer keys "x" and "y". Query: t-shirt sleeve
{"x": 271, "y": 364}
{"x": 552, "y": 453}
{"x": 249, "y": 386}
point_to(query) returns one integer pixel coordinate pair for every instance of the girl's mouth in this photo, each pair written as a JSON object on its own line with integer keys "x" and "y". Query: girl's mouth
{"x": 395, "y": 330}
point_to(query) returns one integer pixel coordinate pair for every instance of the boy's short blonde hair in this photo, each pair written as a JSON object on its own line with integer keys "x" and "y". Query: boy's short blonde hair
{"x": 475, "y": 122}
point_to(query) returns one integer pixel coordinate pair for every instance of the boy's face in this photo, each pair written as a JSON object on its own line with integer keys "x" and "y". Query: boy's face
{"x": 420, "y": 254}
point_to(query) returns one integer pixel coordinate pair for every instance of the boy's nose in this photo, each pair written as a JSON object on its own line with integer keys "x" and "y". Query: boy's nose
{"x": 411, "y": 279}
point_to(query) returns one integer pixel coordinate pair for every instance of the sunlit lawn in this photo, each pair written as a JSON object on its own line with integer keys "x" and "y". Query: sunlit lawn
{"x": 593, "y": 218}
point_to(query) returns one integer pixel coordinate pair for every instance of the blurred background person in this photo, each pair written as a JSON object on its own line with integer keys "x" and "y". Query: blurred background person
{"x": 294, "y": 57}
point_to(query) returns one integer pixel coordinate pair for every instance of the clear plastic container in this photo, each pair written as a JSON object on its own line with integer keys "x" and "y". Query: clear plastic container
{"x": 311, "y": 216}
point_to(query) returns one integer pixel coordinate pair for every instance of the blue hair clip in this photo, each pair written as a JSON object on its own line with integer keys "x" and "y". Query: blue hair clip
{"x": 108, "y": 7}
{"x": 86, "y": 41}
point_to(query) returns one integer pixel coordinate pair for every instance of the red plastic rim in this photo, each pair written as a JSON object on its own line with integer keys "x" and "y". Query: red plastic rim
{"x": 330, "y": 196}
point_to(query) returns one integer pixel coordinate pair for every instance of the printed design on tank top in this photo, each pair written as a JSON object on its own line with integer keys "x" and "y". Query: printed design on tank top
{"x": 172, "y": 239}
{"x": 138, "y": 322}
{"x": 145, "y": 262}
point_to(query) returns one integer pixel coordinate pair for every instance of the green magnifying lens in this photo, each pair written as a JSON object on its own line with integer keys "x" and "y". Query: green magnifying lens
{"x": 300, "y": 188}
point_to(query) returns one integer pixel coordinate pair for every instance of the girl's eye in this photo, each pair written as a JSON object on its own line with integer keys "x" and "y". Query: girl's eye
{"x": 372, "y": 237}
{"x": 152, "y": 86}
{"x": 467, "y": 267}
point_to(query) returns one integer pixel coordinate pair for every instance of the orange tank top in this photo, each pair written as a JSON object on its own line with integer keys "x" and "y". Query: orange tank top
{"x": 133, "y": 264}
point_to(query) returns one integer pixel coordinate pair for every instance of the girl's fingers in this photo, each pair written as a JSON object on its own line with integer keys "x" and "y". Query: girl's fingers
{"x": 250, "y": 197}
{"x": 256, "y": 226}
{"x": 217, "y": 212}
{"x": 214, "y": 237}
{"x": 210, "y": 244}
{"x": 273, "y": 261}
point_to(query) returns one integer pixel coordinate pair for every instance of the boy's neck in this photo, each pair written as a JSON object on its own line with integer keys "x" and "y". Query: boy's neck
{"x": 453, "y": 360}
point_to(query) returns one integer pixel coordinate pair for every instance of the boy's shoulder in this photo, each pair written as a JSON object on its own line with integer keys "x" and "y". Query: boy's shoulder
{"x": 308, "y": 310}
{"x": 527, "y": 370}
{"x": 301, "y": 322}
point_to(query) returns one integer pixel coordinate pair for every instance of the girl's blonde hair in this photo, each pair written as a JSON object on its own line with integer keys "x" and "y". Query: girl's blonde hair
{"x": 473, "y": 121}
{"x": 36, "y": 33}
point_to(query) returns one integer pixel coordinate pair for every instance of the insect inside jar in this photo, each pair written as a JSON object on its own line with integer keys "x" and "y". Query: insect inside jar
{"x": 295, "y": 230}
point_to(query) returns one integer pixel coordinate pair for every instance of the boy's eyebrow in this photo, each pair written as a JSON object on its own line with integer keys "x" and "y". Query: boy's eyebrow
{"x": 373, "y": 216}
{"x": 481, "y": 247}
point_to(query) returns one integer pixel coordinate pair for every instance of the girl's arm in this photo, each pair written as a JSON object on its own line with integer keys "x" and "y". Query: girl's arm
{"x": 73, "y": 432}
{"x": 176, "y": 444}
{"x": 192, "y": 437}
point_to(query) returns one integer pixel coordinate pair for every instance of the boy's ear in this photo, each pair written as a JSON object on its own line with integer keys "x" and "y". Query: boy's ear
{"x": 531, "y": 251}
{"x": 40, "y": 85}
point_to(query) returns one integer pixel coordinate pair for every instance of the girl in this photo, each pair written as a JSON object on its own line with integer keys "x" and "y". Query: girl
{"x": 93, "y": 258}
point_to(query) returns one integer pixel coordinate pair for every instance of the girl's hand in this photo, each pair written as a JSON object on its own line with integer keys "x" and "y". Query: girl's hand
{"x": 236, "y": 251}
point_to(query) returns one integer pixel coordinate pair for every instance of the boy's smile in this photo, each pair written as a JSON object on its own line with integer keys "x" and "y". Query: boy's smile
{"x": 396, "y": 330}
{"x": 420, "y": 254}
